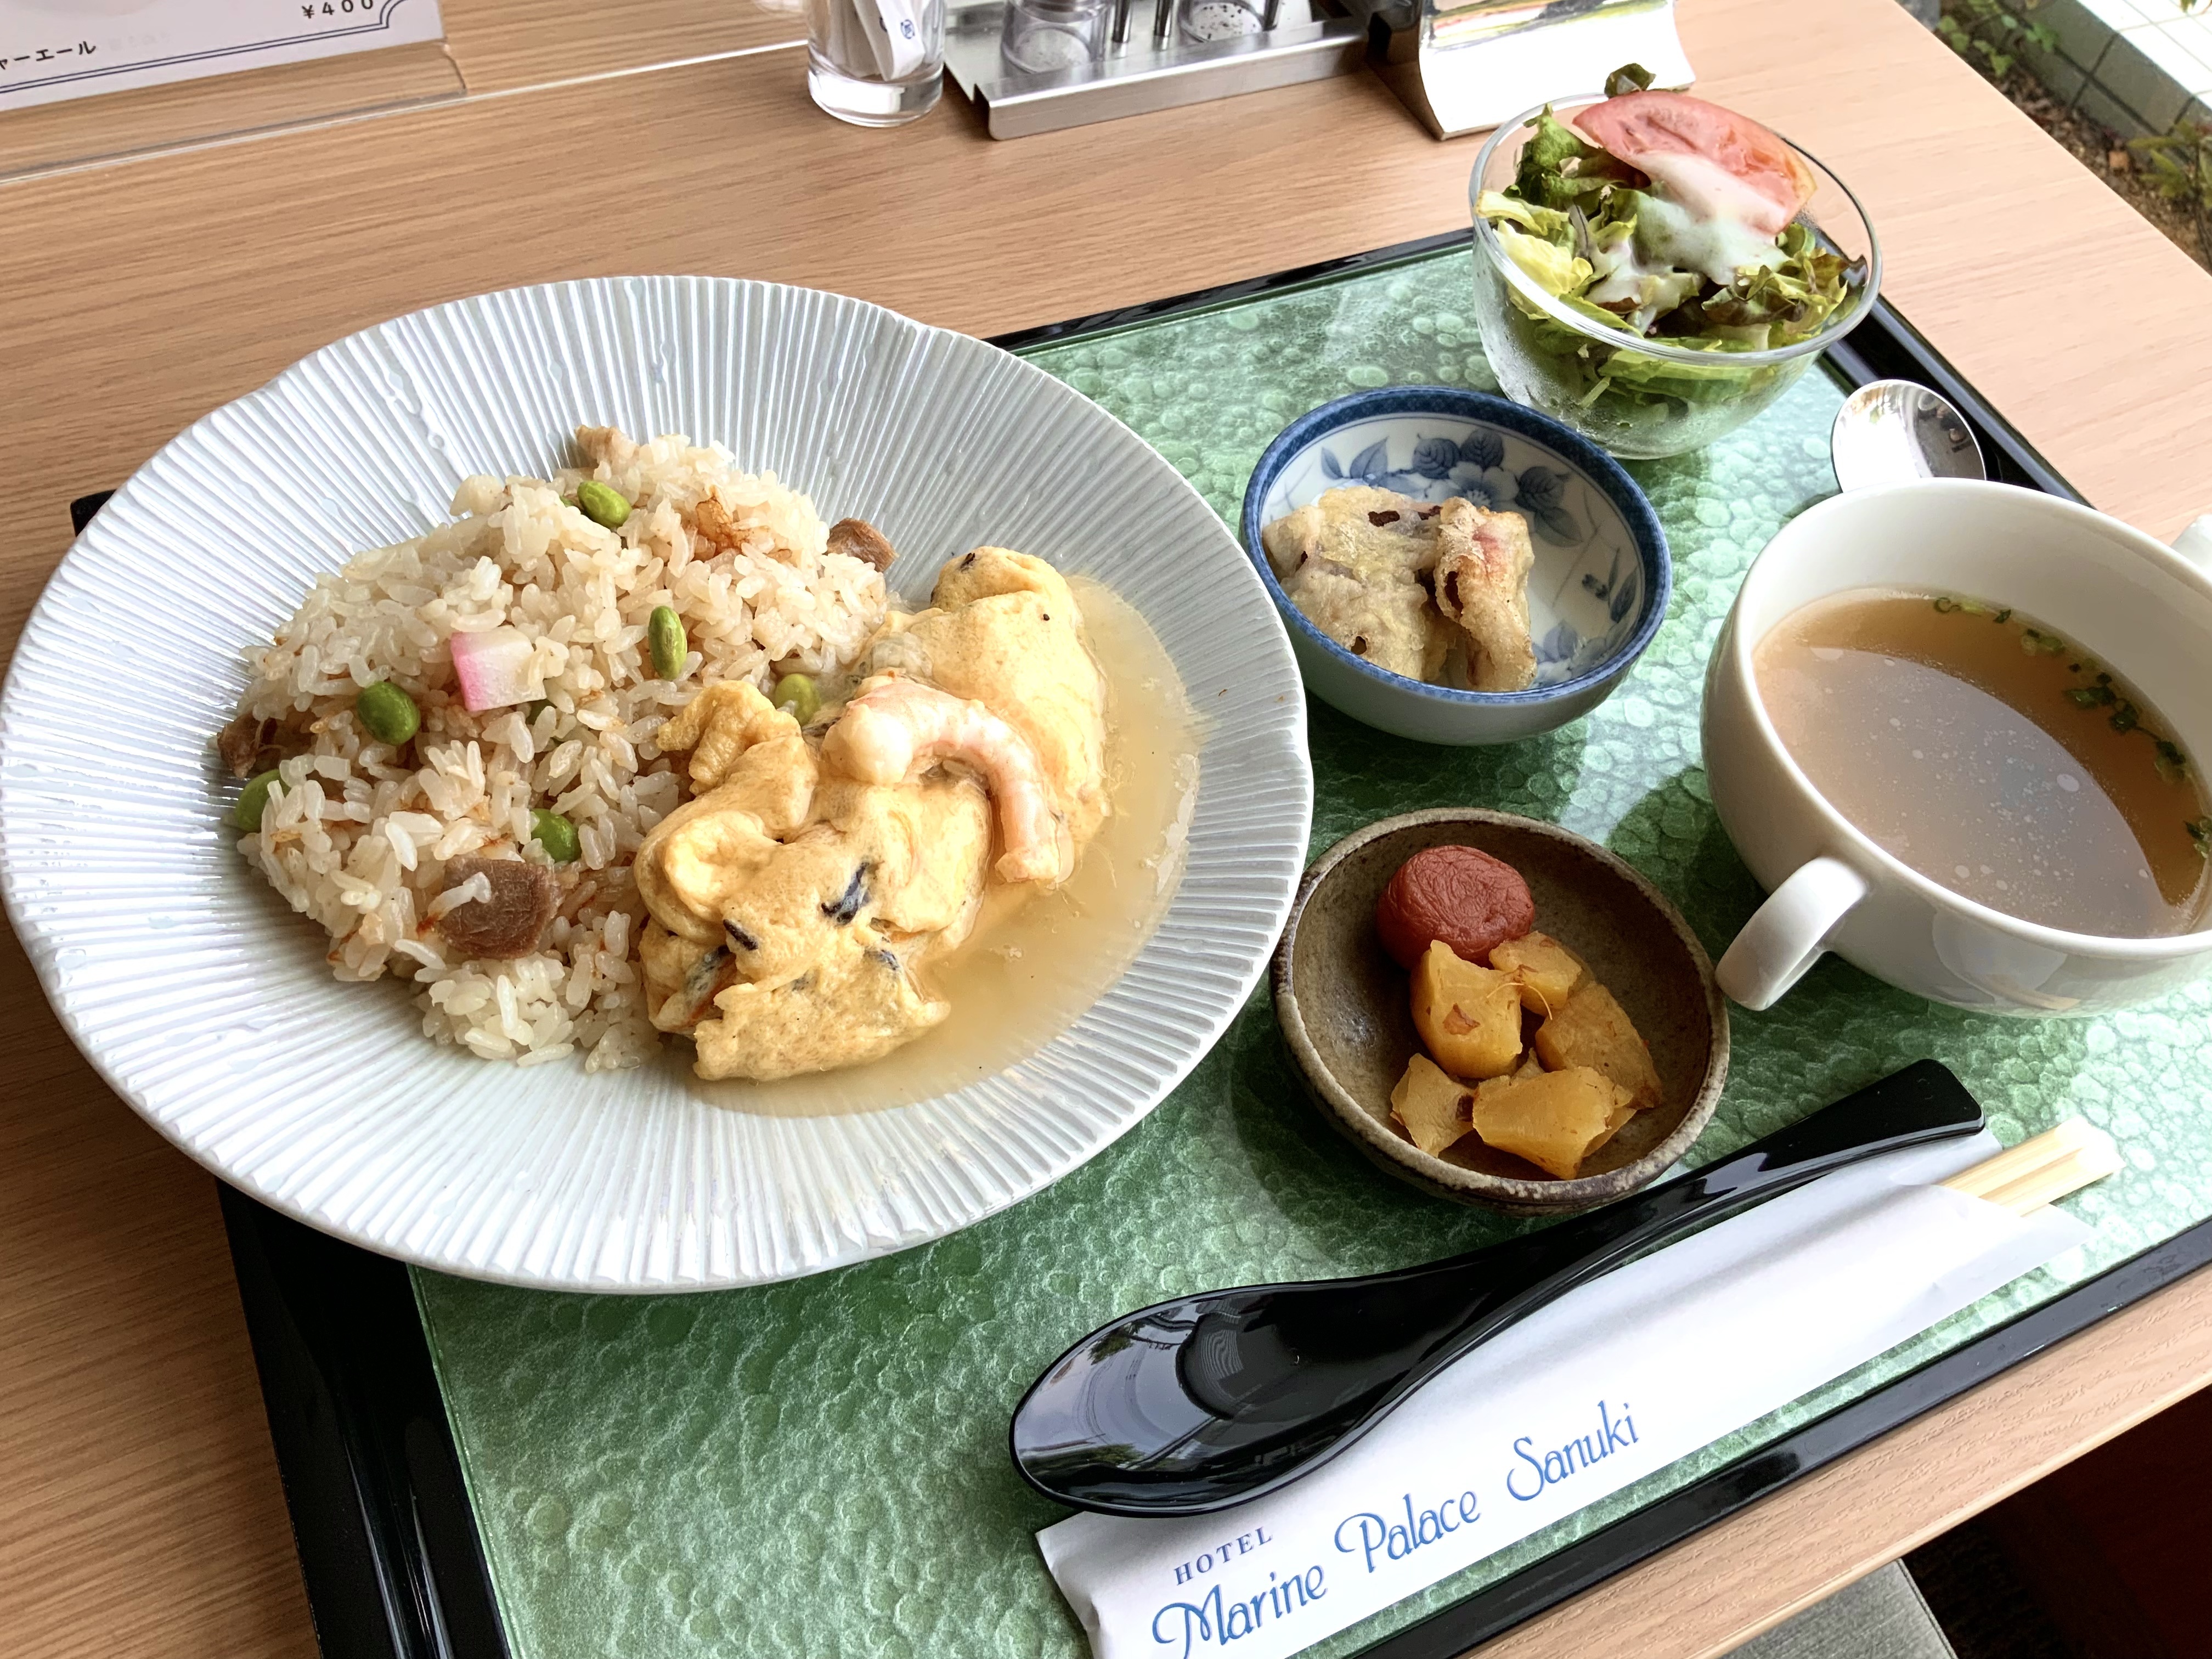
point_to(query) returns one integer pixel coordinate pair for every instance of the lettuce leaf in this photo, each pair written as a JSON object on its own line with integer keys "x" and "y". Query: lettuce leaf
{"x": 1782, "y": 304}
{"x": 1540, "y": 179}
{"x": 1557, "y": 169}
{"x": 1547, "y": 222}
{"x": 1629, "y": 77}
{"x": 1556, "y": 270}
{"x": 1648, "y": 295}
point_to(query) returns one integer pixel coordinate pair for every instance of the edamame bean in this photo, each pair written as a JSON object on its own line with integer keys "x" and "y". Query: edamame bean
{"x": 387, "y": 713}
{"x": 664, "y": 634}
{"x": 253, "y": 802}
{"x": 796, "y": 693}
{"x": 603, "y": 504}
{"x": 556, "y": 835}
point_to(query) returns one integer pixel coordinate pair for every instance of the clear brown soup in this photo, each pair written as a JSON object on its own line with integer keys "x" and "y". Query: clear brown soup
{"x": 1980, "y": 747}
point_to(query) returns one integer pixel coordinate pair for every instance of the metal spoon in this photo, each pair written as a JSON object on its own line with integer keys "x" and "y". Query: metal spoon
{"x": 1896, "y": 431}
{"x": 1205, "y": 1401}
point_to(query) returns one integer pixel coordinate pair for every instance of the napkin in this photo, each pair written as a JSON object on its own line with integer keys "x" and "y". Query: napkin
{"x": 1618, "y": 1378}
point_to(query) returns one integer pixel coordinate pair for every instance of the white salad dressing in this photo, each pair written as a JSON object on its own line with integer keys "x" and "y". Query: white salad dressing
{"x": 1711, "y": 239}
{"x": 1651, "y": 284}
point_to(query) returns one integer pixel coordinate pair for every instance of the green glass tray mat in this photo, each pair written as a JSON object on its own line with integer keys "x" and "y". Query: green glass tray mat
{"x": 820, "y": 1466}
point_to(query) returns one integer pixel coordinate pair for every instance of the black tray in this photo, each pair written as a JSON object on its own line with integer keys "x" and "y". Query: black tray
{"x": 394, "y": 1564}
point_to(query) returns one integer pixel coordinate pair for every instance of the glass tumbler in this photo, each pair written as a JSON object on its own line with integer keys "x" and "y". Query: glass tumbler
{"x": 1642, "y": 397}
{"x": 875, "y": 62}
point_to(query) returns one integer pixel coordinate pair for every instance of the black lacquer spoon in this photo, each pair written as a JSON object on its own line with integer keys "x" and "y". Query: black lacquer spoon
{"x": 1209, "y": 1401}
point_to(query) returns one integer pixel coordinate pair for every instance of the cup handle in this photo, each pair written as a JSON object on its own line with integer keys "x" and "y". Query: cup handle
{"x": 1787, "y": 935}
{"x": 2195, "y": 544}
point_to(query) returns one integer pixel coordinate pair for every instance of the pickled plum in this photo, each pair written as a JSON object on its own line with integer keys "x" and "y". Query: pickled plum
{"x": 1471, "y": 901}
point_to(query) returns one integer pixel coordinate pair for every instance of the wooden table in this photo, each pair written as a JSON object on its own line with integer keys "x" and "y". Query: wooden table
{"x": 144, "y": 1513}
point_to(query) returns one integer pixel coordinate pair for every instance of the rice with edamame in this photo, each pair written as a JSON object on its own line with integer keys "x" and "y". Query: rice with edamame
{"x": 359, "y": 833}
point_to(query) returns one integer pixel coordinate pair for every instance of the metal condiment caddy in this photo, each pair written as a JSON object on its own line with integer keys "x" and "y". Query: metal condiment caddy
{"x": 1147, "y": 63}
{"x": 1461, "y": 67}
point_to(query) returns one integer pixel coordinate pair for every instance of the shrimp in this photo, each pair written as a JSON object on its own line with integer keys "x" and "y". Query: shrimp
{"x": 886, "y": 729}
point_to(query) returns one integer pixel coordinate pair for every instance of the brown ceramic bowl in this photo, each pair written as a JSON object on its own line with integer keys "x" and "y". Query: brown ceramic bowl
{"x": 1344, "y": 1007}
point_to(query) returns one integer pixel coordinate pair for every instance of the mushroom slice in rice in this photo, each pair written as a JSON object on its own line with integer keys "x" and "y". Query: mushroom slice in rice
{"x": 240, "y": 744}
{"x": 857, "y": 538}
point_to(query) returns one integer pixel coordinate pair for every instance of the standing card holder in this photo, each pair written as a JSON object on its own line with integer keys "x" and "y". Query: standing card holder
{"x": 100, "y": 83}
{"x": 1465, "y": 67}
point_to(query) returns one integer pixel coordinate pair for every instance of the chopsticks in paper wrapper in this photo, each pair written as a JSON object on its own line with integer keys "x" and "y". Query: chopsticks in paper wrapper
{"x": 1618, "y": 1379}
{"x": 2043, "y": 1170}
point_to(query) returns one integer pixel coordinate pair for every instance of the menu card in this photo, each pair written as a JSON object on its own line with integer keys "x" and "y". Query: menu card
{"x": 51, "y": 50}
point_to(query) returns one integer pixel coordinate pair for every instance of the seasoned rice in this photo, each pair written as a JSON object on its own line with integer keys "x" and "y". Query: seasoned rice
{"x": 358, "y": 834}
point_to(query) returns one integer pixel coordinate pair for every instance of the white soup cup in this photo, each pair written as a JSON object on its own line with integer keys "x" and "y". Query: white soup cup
{"x": 2125, "y": 599}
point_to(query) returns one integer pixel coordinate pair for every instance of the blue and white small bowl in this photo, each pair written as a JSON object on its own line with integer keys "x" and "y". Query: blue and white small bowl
{"x": 1597, "y": 591}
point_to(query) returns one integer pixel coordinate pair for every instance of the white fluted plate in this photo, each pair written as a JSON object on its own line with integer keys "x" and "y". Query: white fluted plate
{"x": 207, "y": 1005}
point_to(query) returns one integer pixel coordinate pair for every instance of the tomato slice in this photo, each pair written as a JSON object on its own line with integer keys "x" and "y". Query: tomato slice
{"x": 1712, "y": 160}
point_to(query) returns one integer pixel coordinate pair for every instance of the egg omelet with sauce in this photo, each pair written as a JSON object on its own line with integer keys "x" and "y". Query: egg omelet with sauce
{"x": 797, "y": 899}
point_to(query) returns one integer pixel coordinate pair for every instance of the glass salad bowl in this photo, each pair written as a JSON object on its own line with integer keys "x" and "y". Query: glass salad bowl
{"x": 1643, "y": 396}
